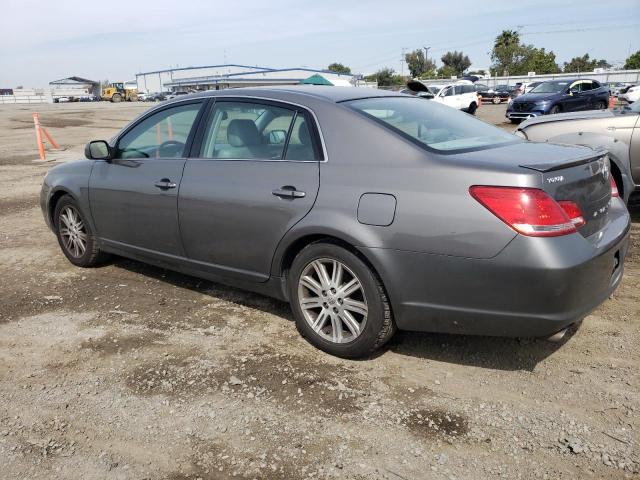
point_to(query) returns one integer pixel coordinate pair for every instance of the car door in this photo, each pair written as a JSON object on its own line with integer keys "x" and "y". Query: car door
{"x": 133, "y": 197}
{"x": 255, "y": 175}
{"x": 573, "y": 100}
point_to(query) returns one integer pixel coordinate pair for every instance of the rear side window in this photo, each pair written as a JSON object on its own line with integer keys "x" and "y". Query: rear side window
{"x": 244, "y": 131}
{"x": 162, "y": 135}
{"x": 431, "y": 124}
{"x": 301, "y": 143}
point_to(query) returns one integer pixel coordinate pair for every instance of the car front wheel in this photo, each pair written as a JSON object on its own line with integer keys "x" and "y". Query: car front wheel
{"x": 74, "y": 234}
{"x": 555, "y": 109}
{"x": 339, "y": 303}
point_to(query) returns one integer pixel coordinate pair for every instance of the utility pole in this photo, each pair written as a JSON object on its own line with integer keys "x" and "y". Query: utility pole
{"x": 426, "y": 54}
{"x": 402, "y": 60}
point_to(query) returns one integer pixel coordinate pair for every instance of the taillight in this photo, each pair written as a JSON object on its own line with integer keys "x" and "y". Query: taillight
{"x": 614, "y": 187}
{"x": 529, "y": 211}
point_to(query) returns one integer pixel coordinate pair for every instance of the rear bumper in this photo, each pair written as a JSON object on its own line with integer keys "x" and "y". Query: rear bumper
{"x": 534, "y": 287}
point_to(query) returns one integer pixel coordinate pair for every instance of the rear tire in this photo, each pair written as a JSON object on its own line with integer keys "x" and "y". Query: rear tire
{"x": 77, "y": 241}
{"x": 496, "y": 100}
{"x": 472, "y": 108}
{"x": 601, "y": 105}
{"x": 348, "y": 322}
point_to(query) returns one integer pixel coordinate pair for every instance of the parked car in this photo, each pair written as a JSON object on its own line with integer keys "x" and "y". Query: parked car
{"x": 618, "y": 131}
{"x": 156, "y": 97}
{"x": 288, "y": 192}
{"x": 499, "y": 94}
{"x": 460, "y": 95}
{"x": 558, "y": 96}
{"x": 173, "y": 95}
{"x": 142, "y": 96}
{"x": 631, "y": 94}
{"x": 615, "y": 87}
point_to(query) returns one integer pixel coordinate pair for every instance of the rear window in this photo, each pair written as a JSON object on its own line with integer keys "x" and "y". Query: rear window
{"x": 431, "y": 124}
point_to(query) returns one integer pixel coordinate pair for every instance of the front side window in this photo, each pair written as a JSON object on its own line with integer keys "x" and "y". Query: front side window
{"x": 162, "y": 135}
{"x": 431, "y": 124}
{"x": 242, "y": 130}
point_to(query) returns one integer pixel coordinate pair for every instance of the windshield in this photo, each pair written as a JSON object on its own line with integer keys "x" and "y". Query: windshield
{"x": 432, "y": 124}
{"x": 551, "y": 87}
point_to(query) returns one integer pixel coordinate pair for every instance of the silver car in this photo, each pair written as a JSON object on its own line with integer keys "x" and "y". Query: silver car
{"x": 616, "y": 130}
{"x": 366, "y": 210}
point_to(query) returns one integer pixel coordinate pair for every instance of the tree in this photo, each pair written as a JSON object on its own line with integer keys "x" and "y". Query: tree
{"x": 418, "y": 64}
{"x": 386, "y": 77}
{"x": 456, "y": 61}
{"x": 505, "y": 50}
{"x": 447, "y": 71}
{"x": 339, "y": 68}
{"x": 532, "y": 59}
{"x": 633, "y": 62}
{"x": 584, "y": 64}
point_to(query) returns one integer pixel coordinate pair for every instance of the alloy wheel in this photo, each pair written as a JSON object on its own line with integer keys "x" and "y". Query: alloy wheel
{"x": 72, "y": 232}
{"x": 332, "y": 300}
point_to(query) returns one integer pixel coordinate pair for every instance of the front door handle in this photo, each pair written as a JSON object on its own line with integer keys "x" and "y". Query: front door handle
{"x": 288, "y": 192}
{"x": 165, "y": 184}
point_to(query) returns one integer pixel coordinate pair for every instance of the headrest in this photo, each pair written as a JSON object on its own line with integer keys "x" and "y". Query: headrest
{"x": 303, "y": 134}
{"x": 242, "y": 132}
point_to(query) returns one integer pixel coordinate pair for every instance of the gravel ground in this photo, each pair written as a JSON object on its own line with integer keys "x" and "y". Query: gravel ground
{"x": 132, "y": 372}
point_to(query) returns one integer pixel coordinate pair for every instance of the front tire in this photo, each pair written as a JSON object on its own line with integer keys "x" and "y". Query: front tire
{"x": 339, "y": 304}
{"x": 496, "y": 100}
{"x": 77, "y": 241}
{"x": 472, "y": 108}
{"x": 555, "y": 109}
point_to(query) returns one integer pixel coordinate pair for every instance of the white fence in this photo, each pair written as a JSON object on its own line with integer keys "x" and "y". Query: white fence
{"x": 626, "y": 76}
{"x": 10, "y": 99}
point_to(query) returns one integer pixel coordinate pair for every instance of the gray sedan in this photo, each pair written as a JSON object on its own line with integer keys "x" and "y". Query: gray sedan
{"x": 366, "y": 210}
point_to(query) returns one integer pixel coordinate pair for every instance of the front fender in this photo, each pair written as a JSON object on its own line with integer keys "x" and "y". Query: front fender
{"x": 72, "y": 179}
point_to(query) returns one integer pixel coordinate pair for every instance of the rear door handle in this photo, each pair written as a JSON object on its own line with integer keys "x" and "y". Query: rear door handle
{"x": 165, "y": 184}
{"x": 288, "y": 192}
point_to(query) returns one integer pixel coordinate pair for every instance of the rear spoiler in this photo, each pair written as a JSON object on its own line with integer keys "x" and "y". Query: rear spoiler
{"x": 552, "y": 166}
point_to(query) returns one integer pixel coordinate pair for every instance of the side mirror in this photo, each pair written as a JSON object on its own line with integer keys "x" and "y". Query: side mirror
{"x": 97, "y": 150}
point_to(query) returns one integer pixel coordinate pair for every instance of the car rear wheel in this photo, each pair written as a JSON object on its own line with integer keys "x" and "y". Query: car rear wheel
{"x": 472, "y": 108}
{"x": 496, "y": 100}
{"x": 75, "y": 237}
{"x": 339, "y": 303}
{"x": 555, "y": 109}
{"x": 601, "y": 105}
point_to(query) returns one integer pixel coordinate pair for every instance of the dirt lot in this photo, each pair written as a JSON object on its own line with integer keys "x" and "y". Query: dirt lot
{"x": 132, "y": 372}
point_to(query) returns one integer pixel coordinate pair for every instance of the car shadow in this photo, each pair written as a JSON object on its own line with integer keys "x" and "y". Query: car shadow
{"x": 478, "y": 351}
{"x": 496, "y": 353}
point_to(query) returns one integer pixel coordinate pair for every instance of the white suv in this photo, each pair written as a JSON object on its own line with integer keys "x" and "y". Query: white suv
{"x": 631, "y": 95}
{"x": 460, "y": 95}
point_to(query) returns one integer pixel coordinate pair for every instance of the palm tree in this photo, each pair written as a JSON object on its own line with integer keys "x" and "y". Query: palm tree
{"x": 504, "y": 49}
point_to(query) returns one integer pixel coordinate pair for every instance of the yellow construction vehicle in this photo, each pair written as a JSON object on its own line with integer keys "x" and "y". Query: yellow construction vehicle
{"x": 115, "y": 92}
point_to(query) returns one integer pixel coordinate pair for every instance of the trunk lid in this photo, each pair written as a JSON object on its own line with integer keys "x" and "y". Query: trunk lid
{"x": 582, "y": 179}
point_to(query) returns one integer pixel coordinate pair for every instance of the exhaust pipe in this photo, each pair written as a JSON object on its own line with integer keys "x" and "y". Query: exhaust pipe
{"x": 558, "y": 336}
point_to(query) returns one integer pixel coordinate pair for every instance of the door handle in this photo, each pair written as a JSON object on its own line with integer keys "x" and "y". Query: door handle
{"x": 165, "y": 184}
{"x": 288, "y": 192}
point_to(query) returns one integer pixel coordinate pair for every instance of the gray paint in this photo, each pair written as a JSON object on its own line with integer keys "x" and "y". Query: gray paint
{"x": 377, "y": 209}
{"x": 447, "y": 263}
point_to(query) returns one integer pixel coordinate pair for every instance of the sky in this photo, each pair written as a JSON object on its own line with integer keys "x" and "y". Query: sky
{"x": 44, "y": 40}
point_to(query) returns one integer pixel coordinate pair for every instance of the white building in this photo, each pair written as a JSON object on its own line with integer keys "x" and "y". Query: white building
{"x": 73, "y": 87}
{"x": 217, "y": 77}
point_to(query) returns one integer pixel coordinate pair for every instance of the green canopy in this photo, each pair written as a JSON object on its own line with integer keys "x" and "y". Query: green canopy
{"x": 316, "y": 79}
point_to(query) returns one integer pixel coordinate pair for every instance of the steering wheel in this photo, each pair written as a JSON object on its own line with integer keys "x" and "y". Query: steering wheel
{"x": 179, "y": 147}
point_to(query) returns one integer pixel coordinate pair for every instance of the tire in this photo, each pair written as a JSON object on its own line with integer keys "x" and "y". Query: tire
{"x": 496, "y": 100}
{"x": 600, "y": 105}
{"x": 116, "y": 98}
{"x": 65, "y": 217}
{"x": 555, "y": 109}
{"x": 472, "y": 108}
{"x": 375, "y": 326}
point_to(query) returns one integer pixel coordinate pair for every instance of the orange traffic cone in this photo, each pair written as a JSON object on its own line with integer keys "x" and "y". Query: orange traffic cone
{"x": 40, "y": 130}
{"x": 612, "y": 102}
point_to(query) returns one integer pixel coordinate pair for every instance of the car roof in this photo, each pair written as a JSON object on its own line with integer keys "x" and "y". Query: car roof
{"x": 319, "y": 92}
